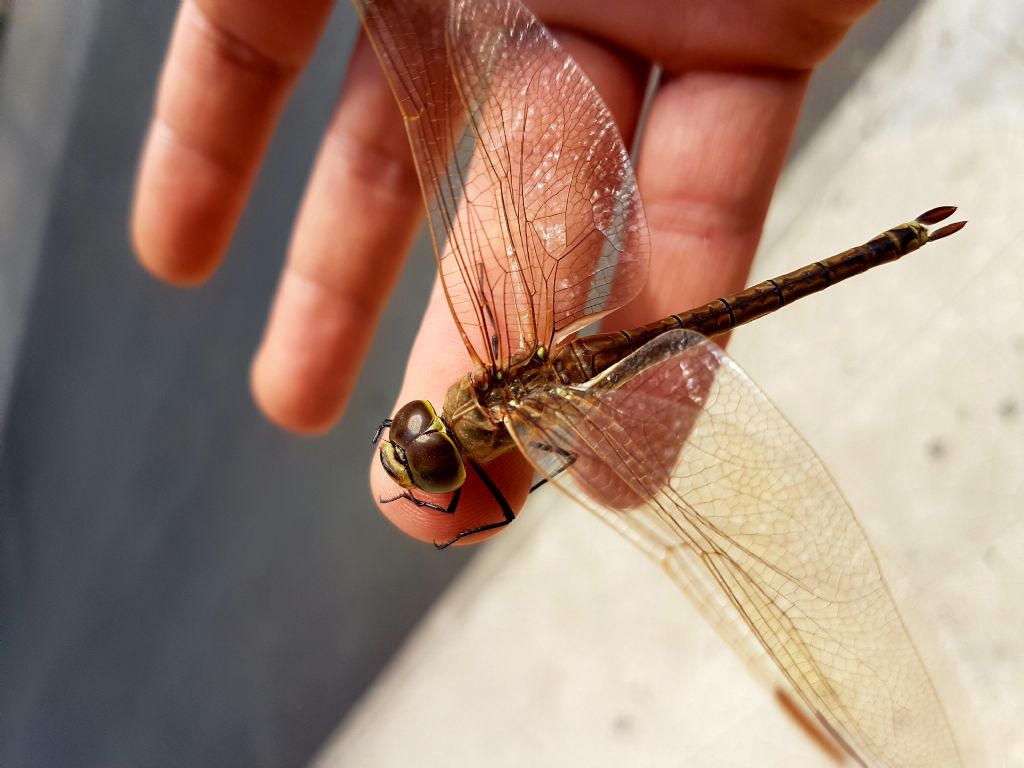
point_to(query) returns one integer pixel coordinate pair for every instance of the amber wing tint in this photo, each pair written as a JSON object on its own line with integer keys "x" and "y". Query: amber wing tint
{"x": 532, "y": 202}
{"x": 749, "y": 524}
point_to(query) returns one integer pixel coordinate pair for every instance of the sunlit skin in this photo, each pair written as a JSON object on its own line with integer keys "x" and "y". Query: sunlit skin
{"x": 716, "y": 138}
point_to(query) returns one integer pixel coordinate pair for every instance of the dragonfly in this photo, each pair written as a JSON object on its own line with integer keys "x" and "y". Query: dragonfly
{"x": 539, "y": 231}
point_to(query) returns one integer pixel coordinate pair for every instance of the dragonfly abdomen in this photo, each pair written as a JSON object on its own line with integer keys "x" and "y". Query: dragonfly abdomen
{"x": 584, "y": 358}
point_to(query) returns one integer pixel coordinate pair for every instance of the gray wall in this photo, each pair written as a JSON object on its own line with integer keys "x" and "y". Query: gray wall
{"x": 182, "y": 584}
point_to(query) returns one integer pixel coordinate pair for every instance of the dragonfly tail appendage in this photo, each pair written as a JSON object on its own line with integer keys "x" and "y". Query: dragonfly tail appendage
{"x": 934, "y": 216}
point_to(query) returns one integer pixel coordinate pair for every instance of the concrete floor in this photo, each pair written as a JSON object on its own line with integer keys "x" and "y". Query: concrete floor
{"x": 561, "y": 646}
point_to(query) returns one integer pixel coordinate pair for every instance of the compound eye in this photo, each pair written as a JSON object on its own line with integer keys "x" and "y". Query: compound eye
{"x": 435, "y": 464}
{"x": 412, "y": 420}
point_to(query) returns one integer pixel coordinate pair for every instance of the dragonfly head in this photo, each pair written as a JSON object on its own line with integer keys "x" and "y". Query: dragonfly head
{"x": 420, "y": 452}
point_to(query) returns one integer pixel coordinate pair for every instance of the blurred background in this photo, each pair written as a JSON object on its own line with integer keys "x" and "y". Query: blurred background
{"x": 184, "y": 584}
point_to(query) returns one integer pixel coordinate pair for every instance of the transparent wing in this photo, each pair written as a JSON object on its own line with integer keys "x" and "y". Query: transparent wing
{"x": 679, "y": 451}
{"x": 533, "y": 208}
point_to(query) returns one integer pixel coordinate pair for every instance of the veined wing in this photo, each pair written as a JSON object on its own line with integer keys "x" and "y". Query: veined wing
{"x": 533, "y": 208}
{"x": 680, "y": 452}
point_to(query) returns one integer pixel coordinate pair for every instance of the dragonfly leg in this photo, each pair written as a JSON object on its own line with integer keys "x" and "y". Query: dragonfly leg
{"x": 449, "y": 510}
{"x": 506, "y": 510}
{"x": 569, "y": 460}
{"x": 383, "y": 425}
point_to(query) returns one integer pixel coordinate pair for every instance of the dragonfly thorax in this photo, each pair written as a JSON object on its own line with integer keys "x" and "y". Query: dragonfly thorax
{"x": 475, "y": 407}
{"x": 475, "y": 414}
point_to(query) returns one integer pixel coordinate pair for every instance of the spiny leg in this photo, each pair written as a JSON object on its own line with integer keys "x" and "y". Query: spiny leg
{"x": 453, "y": 503}
{"x": 506, "y": 509}
{"x": 570, "y": 459}
{"x": 386, "y": 424}
{"x": 507, "y": 514}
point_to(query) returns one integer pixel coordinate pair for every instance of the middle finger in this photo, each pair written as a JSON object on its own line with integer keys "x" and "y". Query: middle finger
{"x": 358, "y": 217}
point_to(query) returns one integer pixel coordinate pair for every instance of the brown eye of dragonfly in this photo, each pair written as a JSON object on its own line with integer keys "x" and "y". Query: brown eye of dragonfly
{"x": 435, "y": 464}
{"x": 420, "y": 453}
{"x": 413, "y": 419}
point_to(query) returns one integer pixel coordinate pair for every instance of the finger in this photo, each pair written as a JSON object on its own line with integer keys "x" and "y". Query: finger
{"x": 712, "y": 151}
{"x": 715, "y": 34}
{"x": 358, "y": 217}
{"x": 228, "y": 70}
{"x": 439, "y": 358}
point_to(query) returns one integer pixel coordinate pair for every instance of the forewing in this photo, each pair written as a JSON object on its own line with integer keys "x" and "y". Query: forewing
{"x": 532, "y": 202}
{"x": 679, "y": 451}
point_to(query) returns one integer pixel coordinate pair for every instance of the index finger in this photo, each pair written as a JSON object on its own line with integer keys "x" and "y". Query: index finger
{"x": 439, "y": 358}
{"x": 229, "y": 68}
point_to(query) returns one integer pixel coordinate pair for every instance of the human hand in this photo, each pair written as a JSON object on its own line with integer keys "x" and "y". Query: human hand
{"x": 716, "y": 137}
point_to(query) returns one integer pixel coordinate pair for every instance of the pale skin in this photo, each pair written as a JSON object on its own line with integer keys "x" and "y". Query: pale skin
{"x": 735, "y": 73}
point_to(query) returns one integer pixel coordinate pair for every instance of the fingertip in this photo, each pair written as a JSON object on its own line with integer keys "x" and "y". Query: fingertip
{"x": 437, "y": 361}
{"x": 477, "y": 505}
{"x": 307, "y": 364}
{"x": 184, "y": 210}
{"x": 164, "y": 262}
{"x": 283, "y": 402}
